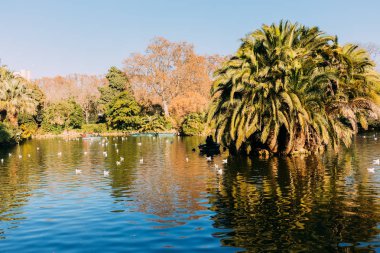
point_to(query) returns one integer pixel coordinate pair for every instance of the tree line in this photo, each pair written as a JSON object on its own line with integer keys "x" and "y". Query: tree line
{"x": 165, "y": 88}
{"x": 288, "y": 89}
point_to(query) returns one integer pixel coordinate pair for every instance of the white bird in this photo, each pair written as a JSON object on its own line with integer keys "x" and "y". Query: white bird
{"x": 371, "y": 170}
{"x": 59, "y": 153}
{"x": 121, "y": 159}
{"x": 117, "y": 151}
{"x": 78, "y": 171}
{"x": 38, "y": 148}
{"x": 2, "y": 160}
{"x": 208, "y": 158}
{"x": 225, "y": 160}
{"x": 85, "y": 152}
{"x": 106, "y": 173}
{"x": 9, "y": 154}
{"x": 375, "y": 138}
{"x": 377, "y": 161}
{"x": 216, "y": 166}
{"x": 139, "y": 143}
{"x": 118, "y": 163}
{"x": 115, "y": 144}
{"x": 187, "y": 159}
{"x": 220, "y": 171}
{"x": 141, "y": 160}
{"x": 28, "y": 155}
{"x": 20, "y": 156}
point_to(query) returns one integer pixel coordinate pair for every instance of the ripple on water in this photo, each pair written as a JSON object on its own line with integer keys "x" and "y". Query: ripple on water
{"x": 321, "y": 204}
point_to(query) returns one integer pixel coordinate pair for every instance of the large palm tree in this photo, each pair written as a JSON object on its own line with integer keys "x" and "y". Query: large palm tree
{"x": 15, "y": 99}
{"x": 289, "y": 89}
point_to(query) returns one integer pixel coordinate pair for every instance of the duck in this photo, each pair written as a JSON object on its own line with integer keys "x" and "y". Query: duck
{"x": 225, "y": 160}
{"x": 78, "y": 171}
{"x": 106, "y": 173}
{"x": 371, "y": 170}
{"x": 377, "y": 161}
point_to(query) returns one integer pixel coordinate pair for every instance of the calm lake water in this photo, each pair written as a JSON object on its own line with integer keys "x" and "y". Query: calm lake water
{"x": 328, "y": 203}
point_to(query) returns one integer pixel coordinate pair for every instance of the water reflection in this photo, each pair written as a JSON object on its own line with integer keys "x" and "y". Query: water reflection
{"x": 314, "y": 204}
{"x": 310, "y": 204}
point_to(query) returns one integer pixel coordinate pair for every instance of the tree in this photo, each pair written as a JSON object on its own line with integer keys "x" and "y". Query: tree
{"x": 117, "y": 83}
{"x": 289, "y": 89}
{"x": 82, "y": 88}
{"x": 15, "y": 99}
{"x": 168, "y": 72}
{"x": 123, "y": 112}
{"x": 62, "y": 115}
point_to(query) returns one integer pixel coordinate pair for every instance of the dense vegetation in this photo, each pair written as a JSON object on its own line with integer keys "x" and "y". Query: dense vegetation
{"x": 288, "y": 89}
{"x": 292, "y": 89}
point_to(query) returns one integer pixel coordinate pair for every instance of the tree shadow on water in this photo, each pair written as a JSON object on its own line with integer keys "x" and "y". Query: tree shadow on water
{"x": 308, "y": 204}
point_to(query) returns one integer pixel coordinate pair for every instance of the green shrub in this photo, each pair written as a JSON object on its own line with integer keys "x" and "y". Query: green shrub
{"x": 193, "y": 124}
{"x": 123, "y": 113}
{"x": 155, "y": 123}
{"x": 28, "y": 125}
{"x": 9, "y": 134}
{"x": 61, "y": 116}
{"x": 94, "y": 128}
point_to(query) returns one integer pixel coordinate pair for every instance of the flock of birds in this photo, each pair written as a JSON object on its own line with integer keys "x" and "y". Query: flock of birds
{"x": 375, "y": 162}
{"x": 104, "y": 143}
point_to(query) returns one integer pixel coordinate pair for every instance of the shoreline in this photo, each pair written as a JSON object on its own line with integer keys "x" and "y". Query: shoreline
{"x": 73, "y": 134}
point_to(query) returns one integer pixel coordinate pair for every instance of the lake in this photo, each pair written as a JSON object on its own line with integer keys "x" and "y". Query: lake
{"x": 56, "y": 197}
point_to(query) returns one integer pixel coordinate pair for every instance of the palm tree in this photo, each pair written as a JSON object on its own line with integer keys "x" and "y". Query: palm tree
{"x": 15, "y": 99}
{"x": 284, "y": 88}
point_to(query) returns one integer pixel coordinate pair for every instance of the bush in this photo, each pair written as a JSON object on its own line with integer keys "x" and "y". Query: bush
{"x": 94, "y": 128}
{"x": 123, "y": 113}
{"x": 193, "y": 124}
{"x": 155, "y": 123}
{"x": 28, "y": 125}
{"x": 8, "y": 134}
{"x": 61, "y": 116}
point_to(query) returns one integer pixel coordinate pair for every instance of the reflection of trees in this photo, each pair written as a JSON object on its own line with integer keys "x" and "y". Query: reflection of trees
{"x": 299, "y": 203}
{"x": 14, "y": 190}
{"x": 167, "y": 185}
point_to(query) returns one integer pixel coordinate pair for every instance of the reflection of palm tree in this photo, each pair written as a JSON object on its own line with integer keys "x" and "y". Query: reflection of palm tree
{"x": 296, "y": 203}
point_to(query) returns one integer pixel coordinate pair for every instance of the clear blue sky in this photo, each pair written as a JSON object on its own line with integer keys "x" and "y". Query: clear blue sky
{"x": 52, "y": 37}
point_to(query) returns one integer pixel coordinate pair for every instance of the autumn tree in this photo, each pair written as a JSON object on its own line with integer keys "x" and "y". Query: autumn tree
{"x": 171, "y": 74}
